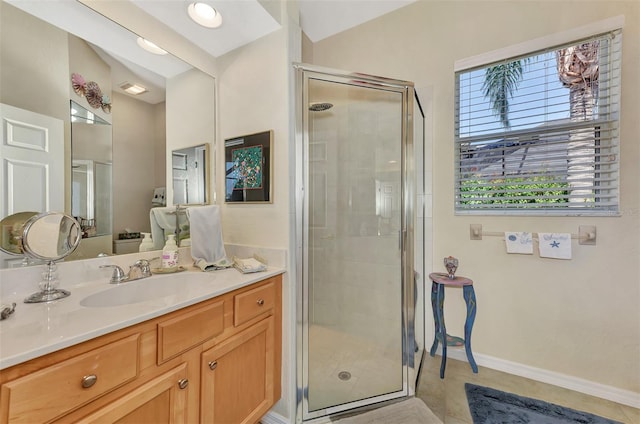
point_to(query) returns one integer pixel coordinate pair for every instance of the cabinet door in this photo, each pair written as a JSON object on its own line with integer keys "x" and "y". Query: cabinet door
{"x": 238, "y": 377}
{"x": 161, "y": 400}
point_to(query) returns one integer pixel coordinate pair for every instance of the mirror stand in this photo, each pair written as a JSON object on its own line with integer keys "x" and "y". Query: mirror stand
{"x": 48, "y": 290}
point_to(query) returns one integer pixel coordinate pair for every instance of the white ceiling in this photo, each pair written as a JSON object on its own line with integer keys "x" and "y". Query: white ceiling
{"x": 320, "y": 19}
{"x": 243, "y": 21}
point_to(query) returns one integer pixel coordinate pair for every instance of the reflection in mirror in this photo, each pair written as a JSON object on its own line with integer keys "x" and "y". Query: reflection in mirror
{"x": 190, "y": 168}
{"x": 91, "y": 171}
{"x": 11, "y": 228}
{"x": 41, "y": 45}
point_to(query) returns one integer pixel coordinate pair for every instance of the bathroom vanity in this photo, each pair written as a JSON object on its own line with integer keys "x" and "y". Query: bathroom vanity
{"x": 209, "y": 352}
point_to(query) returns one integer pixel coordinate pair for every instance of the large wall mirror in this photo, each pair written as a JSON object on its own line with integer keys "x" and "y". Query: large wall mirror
{"x": 102, "y": 170}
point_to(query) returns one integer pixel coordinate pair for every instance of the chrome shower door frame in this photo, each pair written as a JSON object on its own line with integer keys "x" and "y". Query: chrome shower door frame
{"x": 303, "y": 74}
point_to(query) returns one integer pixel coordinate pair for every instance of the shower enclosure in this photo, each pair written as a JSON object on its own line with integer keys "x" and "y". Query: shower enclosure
{"x": 358, "y": 300}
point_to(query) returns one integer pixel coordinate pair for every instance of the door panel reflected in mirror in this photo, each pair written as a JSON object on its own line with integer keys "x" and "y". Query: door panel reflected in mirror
{"x": 190, "y": 169}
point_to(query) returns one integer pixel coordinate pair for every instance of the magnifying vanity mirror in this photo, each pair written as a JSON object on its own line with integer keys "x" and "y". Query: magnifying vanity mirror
{"x": 50, "y": 237}
{"x": 106, "y": 182}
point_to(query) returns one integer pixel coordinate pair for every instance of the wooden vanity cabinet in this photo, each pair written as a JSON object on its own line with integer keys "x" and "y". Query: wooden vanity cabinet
{"x": 159, "y": 401}
{"x": 214, "y": 362}
{"x": 237, "y": 377}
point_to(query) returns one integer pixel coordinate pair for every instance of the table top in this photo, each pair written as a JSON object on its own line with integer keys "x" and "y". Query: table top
{"x": 443, "y": 278}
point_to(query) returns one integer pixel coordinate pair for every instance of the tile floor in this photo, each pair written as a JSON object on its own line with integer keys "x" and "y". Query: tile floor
{"x": 447, "y": 398}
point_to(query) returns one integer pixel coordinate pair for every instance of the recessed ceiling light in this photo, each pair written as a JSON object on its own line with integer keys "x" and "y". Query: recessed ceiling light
{"x": 205, "y": 15}
{"x": 134, "y": 89}
{"x": 150, "y": 47}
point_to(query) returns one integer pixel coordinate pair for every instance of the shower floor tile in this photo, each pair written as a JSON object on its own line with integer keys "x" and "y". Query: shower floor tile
{"x": 373, "y": 369}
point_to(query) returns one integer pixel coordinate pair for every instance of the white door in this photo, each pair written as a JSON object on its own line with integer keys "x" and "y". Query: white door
{"x": 31, "y": 162}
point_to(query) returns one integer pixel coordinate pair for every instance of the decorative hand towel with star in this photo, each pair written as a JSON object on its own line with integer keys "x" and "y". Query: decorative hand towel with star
{"x": 555, "y": 245}
{"x": 519, "y": 243}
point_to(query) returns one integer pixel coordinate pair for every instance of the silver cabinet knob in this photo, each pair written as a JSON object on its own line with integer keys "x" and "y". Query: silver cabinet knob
{"x": 213, "y": 365}
{"x": 183, "y": 383}
{"x": 89, "y": 380}
{"x": 260, "y": 302}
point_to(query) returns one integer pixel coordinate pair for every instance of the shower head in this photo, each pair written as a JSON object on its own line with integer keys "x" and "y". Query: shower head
{"x": 319, "y": 107}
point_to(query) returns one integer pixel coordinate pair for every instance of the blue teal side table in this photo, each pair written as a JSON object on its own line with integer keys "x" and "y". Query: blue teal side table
{"x": 439, "y": 282}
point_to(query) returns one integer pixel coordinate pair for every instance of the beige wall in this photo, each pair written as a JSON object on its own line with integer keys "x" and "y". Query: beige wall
{"x": 579, "y": 317}
{"x": 138, "y": 133}
{"x": 253, "y": 84}
{"x": 190, "y": 114}
{"x": 23, "y": 84}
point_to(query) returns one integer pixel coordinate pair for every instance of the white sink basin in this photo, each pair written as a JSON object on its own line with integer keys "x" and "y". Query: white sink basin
{"x": 146, "y": 289}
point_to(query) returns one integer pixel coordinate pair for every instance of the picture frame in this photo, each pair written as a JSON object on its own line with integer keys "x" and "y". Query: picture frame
{"x": 249, "y": 168}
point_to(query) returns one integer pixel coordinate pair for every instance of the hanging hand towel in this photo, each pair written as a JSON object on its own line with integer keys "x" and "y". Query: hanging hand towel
{"x": 519, "y": 243}
{"x": 207, "y": 247}
{"x": 555, "y": 245}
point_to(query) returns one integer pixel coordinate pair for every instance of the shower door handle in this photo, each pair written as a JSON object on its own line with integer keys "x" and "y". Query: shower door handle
{"x": 402, "y": 235}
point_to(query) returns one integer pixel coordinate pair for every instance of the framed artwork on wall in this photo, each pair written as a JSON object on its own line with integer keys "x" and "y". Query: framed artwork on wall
{"x": 248, "y": 168}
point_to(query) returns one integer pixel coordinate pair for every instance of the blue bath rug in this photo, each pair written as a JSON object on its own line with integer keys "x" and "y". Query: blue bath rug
{"x": 490, "y": 406}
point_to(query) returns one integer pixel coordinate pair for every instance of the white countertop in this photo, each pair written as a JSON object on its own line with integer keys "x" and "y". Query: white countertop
{"x": 40, "y": 328}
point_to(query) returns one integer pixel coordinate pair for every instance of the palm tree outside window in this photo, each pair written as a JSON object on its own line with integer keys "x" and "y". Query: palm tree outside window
{"x": 539, "y": 133}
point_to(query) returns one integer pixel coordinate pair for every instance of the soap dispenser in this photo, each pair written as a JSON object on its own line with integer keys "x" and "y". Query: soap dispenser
{"x": 170, "y": 252}
{"x": 147, "y": 243}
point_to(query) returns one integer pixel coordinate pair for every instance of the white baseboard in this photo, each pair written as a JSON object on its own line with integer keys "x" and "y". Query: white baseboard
{"x": 273, "y": 418}
{"x": 614, "y": 394}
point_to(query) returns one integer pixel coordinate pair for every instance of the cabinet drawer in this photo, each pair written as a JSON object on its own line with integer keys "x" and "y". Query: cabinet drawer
{"x": 60, "y": 388}
{"x": 252, "y": 303}
{"x": 181, "y": 333}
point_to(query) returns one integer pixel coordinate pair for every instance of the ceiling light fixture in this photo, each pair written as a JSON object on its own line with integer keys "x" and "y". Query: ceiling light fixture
{"x": 134, "y": 89}
{"x": 204, "y": 15}
{"x": 150, "y": 47}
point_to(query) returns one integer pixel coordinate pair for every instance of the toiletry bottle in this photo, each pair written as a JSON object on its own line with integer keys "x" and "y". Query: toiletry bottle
{"x": 170, "y": 253}
{"x": 147, "y": 243}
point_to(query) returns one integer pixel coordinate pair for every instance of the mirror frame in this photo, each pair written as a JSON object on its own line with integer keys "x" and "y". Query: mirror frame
{"x": 72, "y": 242}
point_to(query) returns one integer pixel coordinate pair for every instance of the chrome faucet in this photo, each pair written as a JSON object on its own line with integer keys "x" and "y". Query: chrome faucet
{"x": 140, "y": 269}
{"x": 118, "y": 275}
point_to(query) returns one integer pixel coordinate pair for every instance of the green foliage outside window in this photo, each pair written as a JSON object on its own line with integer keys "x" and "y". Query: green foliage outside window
{"x": 513, "y": 190}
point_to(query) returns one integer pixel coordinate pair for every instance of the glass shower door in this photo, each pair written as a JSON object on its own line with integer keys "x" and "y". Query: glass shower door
{"x": 354, "y": 324}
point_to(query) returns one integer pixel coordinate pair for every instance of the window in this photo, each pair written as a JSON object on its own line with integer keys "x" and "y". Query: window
{"x": 538, "y": 133}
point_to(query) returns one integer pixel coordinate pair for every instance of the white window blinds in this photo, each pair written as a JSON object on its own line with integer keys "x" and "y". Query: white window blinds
{"x": 539, "y": 133}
